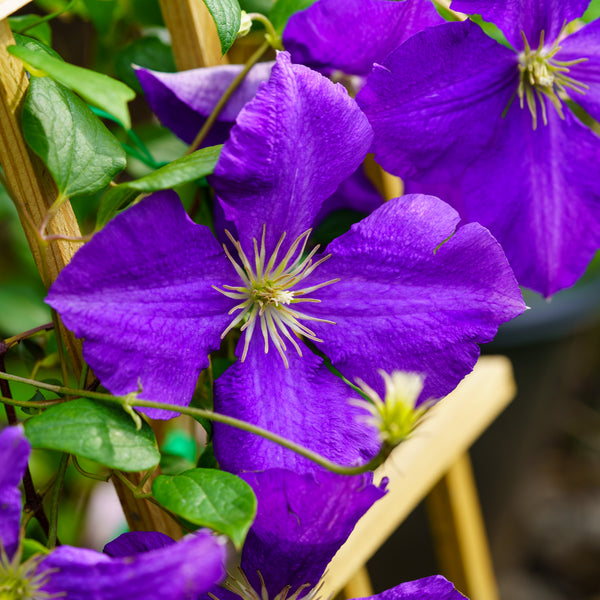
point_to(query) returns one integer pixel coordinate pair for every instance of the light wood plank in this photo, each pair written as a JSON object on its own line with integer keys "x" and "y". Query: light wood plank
{"x": 8, "y": 7}
{"x": 414, "y": 467}
{"x": 194, "y": 34}
{"x": 459, "y": 533}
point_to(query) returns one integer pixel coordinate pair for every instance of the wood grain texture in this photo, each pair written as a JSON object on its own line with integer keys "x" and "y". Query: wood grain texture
{"x": 194, "y": 34}
{"x": 30, "y": 183}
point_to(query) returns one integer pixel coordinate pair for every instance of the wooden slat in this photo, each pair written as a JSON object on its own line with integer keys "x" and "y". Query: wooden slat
{"x": 459, "y": 533}
{"x": 30, "y": 182}
{"x": 193, "y": 34}
{"x": 415, "y": 466}
{"x": 8, "y": 7}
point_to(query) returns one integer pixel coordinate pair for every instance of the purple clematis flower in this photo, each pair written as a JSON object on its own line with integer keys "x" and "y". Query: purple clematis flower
{"x": 351, "y": 35}
{"x": 154, "y": 293}
{"x": 151, "y": 568}
{"x": 301, "y": 522}
{"x": 497, "y": 130}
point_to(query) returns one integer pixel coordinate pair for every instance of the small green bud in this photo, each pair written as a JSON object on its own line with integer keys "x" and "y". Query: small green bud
{"x": 395, "y": 417}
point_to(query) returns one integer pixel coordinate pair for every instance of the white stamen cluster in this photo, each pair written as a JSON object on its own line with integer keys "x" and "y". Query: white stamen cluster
{"x": 395, "y": 417}
{"x": 21, "y": 581}
{"x": 241, "y": 587}
{"x": 542, "y": 75}
{"x": 269, "y": 289}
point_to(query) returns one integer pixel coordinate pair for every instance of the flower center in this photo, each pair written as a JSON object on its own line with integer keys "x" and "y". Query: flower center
{"x": 270, "y": 289}
{"x": 542, "y": 75}
{"x": 20, "y": 581}
{"x": 238, "y": 584}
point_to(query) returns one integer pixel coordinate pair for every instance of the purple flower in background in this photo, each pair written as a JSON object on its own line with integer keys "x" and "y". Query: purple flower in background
{"x": 497, "y": 131}
{"x": 153, "y": 568}
{"x": 351, "y": 35}
{"x": 301, "y": 522}
{"x": 154, "y": 293}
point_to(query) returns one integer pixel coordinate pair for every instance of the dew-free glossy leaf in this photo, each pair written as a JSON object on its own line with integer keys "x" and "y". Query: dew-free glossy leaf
{"x": 79, "y": 151}
{"x": 227, "y": 16}
{"x": 95, "y": 88}
{"x": 182, "y": 170}
{"x": 209, "y": 498}
{"x": 95, "y": 430}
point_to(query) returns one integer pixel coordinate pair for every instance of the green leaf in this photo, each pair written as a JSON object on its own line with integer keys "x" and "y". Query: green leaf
{"x": 491, "y": 30}
{"x": 95, "y": 88}
{"x": 113, "y": 201}
{"x": 209, "y": 498}
{"x": 182, "y": 170}
{"x": 35, "y": 45}
{"x": 227, "y": 16}
{"x": 41, "y": 31}
{"x": 283, "y": 9}
{"x": 592, "y": 12}
{"x": 95, "y": 430}
{"x": 79, "y": 151}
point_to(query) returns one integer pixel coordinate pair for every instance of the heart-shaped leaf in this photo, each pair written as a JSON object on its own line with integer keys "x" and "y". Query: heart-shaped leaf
{"x": 227, "y": 16}
{"x": 79, "y": 151}
{"x": 95, "y": 88}
{"x": 209, "y": 498}
{"x": 95, "y": 430}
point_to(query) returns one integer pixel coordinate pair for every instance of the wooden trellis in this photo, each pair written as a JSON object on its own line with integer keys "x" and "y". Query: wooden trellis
{"x": 433, "y": 464}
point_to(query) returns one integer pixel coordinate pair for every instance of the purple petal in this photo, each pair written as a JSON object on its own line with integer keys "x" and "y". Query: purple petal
{"x": 528, "y": 16}
{"x": 351, "y": 35}
{"x": 542, "y": 197}
{"x": 140, "y": 294}
{"x": 301, "y": 522}
{"x": 136, "y": 542}
{"x": 292, "y": 146}
{"x": 180, "y": 571}
{"x": 435, "y": 587}
{"x": 299, "y": 403}
{"x": 183, "y": 101}
{"x": 355, "y": 193}
{"x": 408, "y": 300}
{"x": 585, "y": 43}
{"x": 14, "y": 454}
{"x": 430, "y": 103}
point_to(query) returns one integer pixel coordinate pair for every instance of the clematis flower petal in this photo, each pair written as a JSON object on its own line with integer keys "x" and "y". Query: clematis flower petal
{"x": 542, "y": 202}
{"x": 135, "y": 542}
{"x": 301, "y": 522}
{"x": 585, "y": 43}
{"x": 276, "y": 166}
{"x": 140, "y": 294}
{"x": 528, "y": 16}
{"x": 351, "y": 35}
{"x": 14, "y": 454}
{"x": 179, "y": 571}
{"x": 415, "y": 294}
{"x": 183, "y": 101}
{"x": 435, "y": 587}
{"x": 299, "y": 403}
{"x": 430, "y": 103}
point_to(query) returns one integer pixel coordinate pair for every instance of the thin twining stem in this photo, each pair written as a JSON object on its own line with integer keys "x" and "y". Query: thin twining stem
{"x": 225, "y": 97}
{"x": 132, "y": 401}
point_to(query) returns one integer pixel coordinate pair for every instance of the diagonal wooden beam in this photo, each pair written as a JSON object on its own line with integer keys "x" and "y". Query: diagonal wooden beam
{"x": 418, "y": 464}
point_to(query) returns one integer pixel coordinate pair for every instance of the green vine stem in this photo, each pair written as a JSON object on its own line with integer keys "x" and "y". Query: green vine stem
{"x": 225, "y": 97}
{"x": 56, "y": 492}
{"x": 132, "y": 401}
